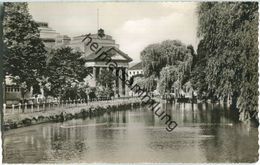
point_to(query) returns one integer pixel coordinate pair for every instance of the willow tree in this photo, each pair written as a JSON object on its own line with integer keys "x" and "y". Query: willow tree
{"x": 230, "y": 32}
{"x": 198, "y": 72}
{"x": 169, "y": 75}
{"x": 156, "y": 56}
{"x": 172, "y": 55}
{"x": 146, "y": 83}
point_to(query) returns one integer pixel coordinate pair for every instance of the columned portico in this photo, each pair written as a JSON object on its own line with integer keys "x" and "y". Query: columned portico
{"x": 120, "y": 87}
{"x": 118, "y": 65}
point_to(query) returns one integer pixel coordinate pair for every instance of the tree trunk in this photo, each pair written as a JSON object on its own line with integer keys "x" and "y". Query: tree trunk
{"x": 23, "y": 91}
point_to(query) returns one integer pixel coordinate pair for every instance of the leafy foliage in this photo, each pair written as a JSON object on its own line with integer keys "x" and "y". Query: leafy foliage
{"x": 24, "y": 52}
{"x": 77, "y": 91}
{"x": 66, "y": 71}
{"x": 169, "y": 75}
{"x": 198, "y": 72}
{"x": 106, "y": 82}
{"x": 229, "y": 32}
{"x": 167, "y": 62}
{"x": 146, "y": 83}
{"x": 156, "y": 56}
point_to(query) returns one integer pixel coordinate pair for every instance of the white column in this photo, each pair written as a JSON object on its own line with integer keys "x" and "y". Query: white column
{"x": 115, "y": 86}
{"x": 120, "y": 83}
{"x": 126, "y": 78}
{"x": 100, "y": 71}
{"x": 94, "y": 76}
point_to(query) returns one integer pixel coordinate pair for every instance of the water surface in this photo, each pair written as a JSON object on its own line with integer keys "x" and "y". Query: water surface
{"x": 205, "y": 133}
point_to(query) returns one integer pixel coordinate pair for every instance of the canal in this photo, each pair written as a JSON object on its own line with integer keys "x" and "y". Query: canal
{"x": 205, "y": 133}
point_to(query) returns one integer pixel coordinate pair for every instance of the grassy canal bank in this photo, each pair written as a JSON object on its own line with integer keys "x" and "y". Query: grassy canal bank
{"x": 64, "y": 113}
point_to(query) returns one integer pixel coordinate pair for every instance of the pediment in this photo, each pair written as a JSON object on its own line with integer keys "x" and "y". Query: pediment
{"x": 113, "y": 52}
{"x": 115, "y": 55}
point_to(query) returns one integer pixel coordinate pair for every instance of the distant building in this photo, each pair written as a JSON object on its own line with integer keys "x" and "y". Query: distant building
{"x": 135, "y": 70}
{"x": 47, "y": 34}
{"x": 13, "y": 93}
{"x": 62, "y": 40}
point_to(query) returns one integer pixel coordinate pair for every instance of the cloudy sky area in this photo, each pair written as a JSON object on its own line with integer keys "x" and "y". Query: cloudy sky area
{"x": 132, "y": 25}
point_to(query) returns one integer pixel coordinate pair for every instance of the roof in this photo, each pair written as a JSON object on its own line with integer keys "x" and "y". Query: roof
{"x": 137, "y": 66}
{"x": 95, "y": 55}
{"x": 106, "y": 37}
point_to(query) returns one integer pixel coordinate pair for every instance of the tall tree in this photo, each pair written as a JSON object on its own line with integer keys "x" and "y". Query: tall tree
{"x": 24, "y": 53}
{"x": 229, "y": 31}
{"x": 169, "y": 75}
{"x": 65, "y": 71}
{"x": 198, "y": 72}
{"x": 164, "y": 60}
{"x": 156, "y": 56}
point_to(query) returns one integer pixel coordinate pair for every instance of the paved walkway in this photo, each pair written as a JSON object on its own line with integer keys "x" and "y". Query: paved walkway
{"x": 55, "y": 109}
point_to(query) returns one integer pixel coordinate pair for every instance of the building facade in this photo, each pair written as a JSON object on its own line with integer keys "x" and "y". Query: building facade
{"x": 47, "y": 34}
{"x": 95, "y": 61}
{"x": 135, "y": 70}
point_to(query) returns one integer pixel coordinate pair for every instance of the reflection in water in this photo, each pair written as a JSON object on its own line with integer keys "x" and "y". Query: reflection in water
{"x": 205, "y": 133}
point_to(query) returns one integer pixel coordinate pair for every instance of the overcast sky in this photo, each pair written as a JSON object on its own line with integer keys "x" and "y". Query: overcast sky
{"x": 132, "y": 25}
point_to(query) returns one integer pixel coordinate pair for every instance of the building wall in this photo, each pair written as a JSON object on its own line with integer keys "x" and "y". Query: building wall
{"x": 47, "y": 34}
{"x": 13, "y": 94}
{"x": 131, "y": 73}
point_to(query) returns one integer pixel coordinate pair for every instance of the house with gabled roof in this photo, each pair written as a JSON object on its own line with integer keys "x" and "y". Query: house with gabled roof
{"x": 135, "y": 70}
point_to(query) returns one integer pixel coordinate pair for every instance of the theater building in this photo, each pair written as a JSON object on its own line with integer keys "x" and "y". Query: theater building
{"x": 105, "y": 46}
